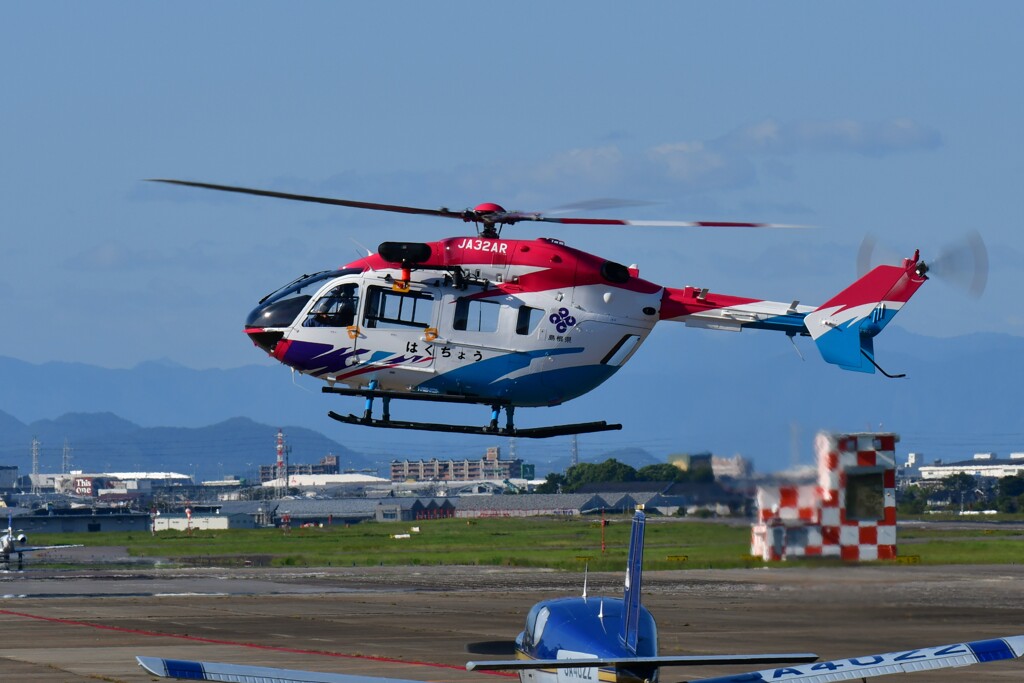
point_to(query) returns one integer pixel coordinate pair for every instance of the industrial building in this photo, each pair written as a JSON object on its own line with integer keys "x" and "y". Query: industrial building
{"x": 489, "y": 467}
{"x": 116, "y": 485}
{"x": 327, "y": 465}
{"x": 75, "y": 520}
{"x": 981, "y": 465}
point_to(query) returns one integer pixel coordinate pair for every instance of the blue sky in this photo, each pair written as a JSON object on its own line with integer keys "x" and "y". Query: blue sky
{"x": 899, "y": 119}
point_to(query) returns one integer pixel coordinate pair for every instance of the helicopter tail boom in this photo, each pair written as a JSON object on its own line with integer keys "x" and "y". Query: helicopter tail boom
{"x": 843, "y": 328}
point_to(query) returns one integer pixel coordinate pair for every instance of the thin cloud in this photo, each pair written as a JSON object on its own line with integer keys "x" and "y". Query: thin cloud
{"x": 838, "y": 136}
{"x": 739, "y": 159}
{"x": 698, "y": 166}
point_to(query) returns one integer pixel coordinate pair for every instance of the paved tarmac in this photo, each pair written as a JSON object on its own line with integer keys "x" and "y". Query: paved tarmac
{"x": 78, "y": 626}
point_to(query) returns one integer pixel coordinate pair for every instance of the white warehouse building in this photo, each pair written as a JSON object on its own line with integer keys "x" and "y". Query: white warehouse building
{"x": 982, "y": 465}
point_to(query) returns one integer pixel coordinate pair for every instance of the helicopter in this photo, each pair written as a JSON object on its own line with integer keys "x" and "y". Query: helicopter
{"x": 511, "y": 323}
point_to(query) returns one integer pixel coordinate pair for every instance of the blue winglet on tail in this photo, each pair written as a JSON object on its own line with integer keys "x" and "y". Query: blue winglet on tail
{"x": 634, "y": 579}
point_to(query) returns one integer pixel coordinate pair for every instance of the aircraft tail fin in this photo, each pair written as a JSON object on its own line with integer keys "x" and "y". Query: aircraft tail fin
{"x": 844, "y": 327}
{"x": 634, "y": 579}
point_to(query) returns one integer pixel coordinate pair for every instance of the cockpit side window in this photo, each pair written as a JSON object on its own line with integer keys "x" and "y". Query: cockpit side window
{"x": 336, "y": 308}
{"x": 542, "y": 621}
{"x": 531, "y": 621}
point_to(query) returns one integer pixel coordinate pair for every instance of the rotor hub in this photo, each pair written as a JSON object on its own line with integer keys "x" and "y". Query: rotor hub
{"x": 488, "y": 207}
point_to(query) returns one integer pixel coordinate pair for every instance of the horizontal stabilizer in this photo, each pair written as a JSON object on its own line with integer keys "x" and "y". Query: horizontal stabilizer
{"x": 870, "y": 666}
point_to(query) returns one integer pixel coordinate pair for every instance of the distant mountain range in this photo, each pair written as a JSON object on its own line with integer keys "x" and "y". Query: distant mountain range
{"x": 685, "y": 391}
{"x": 104, "y": 442}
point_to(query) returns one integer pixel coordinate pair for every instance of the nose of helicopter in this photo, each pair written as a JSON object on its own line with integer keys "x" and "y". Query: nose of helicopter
{"x": 263, "y": 338}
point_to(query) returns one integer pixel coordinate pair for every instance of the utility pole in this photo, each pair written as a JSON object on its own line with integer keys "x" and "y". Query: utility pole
{"x": 35, "y": 465}
{"x": 282, "y": 465}
{"x": 575, "y": 458}
{"x": 65, "y": 461}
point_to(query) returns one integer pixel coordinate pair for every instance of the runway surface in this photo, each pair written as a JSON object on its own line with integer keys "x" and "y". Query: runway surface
{"x": 78, "y": 626}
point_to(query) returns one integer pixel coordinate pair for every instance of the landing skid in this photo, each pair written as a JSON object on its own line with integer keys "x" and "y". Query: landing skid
{"x": 370, "y": 393}
{"x": 529, "y": 433}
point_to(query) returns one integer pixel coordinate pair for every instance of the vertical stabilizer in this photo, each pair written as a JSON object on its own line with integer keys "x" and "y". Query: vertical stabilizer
{"x": 844, "y": 327}
{"x": 634, "y": 579}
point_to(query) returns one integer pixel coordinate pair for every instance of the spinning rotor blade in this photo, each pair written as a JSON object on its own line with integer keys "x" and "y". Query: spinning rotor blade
{"x": 598, "y": 205}
{"x": 963, "y": 264}
{"x": 871, "y": 254}
{"x": 316, "y": 200}
{"x": 515, "y": 217}
{"x": 489, "y": 214}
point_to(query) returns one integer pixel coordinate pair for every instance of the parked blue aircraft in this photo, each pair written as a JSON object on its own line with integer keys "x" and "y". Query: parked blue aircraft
{"x": 615, "y": 640}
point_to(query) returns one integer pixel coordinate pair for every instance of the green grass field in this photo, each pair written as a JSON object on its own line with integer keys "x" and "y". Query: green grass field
{"x": 562, "y": 543}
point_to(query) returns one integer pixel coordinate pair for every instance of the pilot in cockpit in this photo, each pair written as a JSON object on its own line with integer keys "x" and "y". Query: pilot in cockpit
{"x": 337, "y": 308}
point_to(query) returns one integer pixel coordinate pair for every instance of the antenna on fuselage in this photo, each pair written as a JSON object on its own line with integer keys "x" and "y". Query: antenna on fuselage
{"x": 361, "y": 246}
{"x": 586, "y": 571}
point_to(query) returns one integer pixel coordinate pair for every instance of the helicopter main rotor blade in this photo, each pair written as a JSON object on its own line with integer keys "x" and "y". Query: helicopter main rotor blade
{"x": 446, "y": 213}
{"x": 488, "y": 214}
{"x": 515, "y": 217}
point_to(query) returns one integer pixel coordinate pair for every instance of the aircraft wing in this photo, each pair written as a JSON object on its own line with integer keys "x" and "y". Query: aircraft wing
{"x": 33, "y": 548}
{"x": 681, "y": 660}
{"x": 215, "y": 671}
{"x": 855, "y": 668}
{"x": 870, "y": 666}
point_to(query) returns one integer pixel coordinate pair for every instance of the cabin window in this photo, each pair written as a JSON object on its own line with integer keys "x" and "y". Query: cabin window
{"x": 476, "y": 315}
{"x": 528, "y": 319}
{"x": 387, "y": 308}
{"x": 622, "y": 350}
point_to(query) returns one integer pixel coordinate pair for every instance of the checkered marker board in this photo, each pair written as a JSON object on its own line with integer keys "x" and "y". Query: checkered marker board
{"x": 841, "y": 516}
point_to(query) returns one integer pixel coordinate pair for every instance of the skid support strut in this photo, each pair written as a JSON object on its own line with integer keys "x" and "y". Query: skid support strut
{"x": 509, "y": 418}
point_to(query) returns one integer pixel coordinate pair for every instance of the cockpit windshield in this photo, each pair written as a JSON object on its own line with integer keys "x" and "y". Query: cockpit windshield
{"x": 279, "y": 308}
{"x": 304, "y": 284}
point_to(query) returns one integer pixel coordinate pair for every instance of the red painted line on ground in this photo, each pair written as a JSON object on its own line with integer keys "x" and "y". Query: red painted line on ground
{"x": 218, "y": 641}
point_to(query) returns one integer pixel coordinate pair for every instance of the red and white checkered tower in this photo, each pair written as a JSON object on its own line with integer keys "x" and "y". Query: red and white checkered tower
{"x": 850, "y": 513}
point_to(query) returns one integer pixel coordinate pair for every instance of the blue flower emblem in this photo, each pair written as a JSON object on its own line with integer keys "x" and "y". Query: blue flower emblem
{"x": 562, "y": 320}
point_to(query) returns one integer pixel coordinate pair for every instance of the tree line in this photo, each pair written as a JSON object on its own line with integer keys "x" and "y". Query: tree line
{"x": 612, "y": 470}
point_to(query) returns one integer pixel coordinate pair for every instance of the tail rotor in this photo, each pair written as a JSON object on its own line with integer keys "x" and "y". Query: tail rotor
{"x": 962, "y": 264}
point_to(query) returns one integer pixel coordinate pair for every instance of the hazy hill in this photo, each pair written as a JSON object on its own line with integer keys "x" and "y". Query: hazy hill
{"x": 105, "y": 442}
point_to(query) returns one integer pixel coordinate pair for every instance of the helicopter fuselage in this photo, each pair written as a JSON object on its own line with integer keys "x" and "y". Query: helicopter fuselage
{"x": 524, "y": 322}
